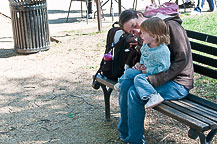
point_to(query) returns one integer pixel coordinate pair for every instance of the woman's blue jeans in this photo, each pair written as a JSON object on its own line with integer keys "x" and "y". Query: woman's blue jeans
{"x": 200, "y": 5}
{"x": 131, "y": 124}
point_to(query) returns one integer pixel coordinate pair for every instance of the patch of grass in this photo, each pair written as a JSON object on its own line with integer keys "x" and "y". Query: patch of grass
{"x": 100, "y": 45}
{"x": 206, "y": 87}
{"x": 95, "y": 33}
{"x": 205, "y": 23}
{"x": 91, "y": 67}
{"x": 71, "y": 31}
{"x": 80, "y": 32}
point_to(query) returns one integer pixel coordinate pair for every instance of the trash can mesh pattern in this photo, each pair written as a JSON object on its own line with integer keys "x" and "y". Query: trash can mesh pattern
{"x": 30, "y": 25}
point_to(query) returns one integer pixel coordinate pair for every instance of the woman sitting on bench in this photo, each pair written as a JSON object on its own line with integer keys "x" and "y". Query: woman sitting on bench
{"x": 172, "y": 84}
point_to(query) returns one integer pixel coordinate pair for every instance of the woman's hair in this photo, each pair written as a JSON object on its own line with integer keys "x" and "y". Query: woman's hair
{"x": 156, "y": 26}
{"x": 127, "y": 15}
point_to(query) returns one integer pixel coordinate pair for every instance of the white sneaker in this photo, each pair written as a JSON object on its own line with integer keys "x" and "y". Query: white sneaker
{"x": 90, "y": 16}
{"x": 154, "y": 100}
{"x": 117, "y": 86}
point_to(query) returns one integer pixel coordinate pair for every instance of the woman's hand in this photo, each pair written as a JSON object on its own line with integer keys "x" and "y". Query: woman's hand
{"x": 132, "y": 39}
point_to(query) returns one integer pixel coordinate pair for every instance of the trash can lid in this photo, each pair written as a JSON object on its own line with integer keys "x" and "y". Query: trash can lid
{"x": 25, "y": 2}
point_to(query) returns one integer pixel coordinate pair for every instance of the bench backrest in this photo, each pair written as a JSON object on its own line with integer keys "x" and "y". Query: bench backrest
{"x": 204, "y": 51}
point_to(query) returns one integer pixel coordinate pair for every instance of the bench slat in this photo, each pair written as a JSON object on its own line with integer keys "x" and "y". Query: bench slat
{"x": 103, "y": 80}
{"x": 202, "y": 101}
{"x": 185, "y": 109}
{"x": 204, "y": 60}
{"x": 194, "y": 110}
{"x": 202, "y": 36}
{"x": 200, "y": 111}
{"x": 205, "y": 71}
{"x": 182, "y": 117}
{"x": 204, "y": 48}
{"x": 199, "y": 106}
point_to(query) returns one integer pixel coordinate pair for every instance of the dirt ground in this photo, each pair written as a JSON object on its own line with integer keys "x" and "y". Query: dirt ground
{"x": 47, "y": 98}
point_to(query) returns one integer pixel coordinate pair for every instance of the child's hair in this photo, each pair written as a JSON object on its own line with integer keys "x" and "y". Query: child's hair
{"x": 156, "y": 26}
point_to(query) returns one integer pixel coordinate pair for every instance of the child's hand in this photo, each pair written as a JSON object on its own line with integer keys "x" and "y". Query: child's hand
{"x": 137, "y": 66}
{"x": 143, "y": 69}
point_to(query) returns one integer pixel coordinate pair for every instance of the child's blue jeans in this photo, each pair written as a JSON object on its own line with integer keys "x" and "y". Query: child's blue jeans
{"x": 144, "y": 89}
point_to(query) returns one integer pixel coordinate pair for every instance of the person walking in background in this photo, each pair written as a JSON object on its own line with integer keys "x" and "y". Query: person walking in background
{"x": 90, "y": 9}
{"x": 200, "y": 4}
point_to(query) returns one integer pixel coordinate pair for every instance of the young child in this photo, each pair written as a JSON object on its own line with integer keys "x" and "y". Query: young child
{"x": 155, "y": 58}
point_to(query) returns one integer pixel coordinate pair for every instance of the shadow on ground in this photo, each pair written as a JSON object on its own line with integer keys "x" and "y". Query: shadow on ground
{"x": 37, "y": 109}
{"x": 6, "y": 53}
{"x": 74, "y": 16}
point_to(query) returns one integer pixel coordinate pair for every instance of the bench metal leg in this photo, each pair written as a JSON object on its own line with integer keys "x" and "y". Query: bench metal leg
{"x": 107, "y": 93}
{"x": 207, "y": 139}
{"x": 202, "y": 138}
{"x": 192, "y": 133}
{"x": 211, "y": 135}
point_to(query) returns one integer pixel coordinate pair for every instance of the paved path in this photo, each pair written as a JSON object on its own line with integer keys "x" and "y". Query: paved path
{"x": 57, "y": 13}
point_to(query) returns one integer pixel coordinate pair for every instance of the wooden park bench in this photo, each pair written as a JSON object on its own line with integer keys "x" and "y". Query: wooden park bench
{"x": 199, "y": 114}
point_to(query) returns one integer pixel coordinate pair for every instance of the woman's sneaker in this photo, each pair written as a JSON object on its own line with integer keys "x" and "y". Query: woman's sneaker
{"x": 117, "y": 86}
{"x": 154, "y": 100}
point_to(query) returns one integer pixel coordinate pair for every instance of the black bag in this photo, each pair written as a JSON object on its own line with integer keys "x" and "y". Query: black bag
{"x": 120, "y": 53}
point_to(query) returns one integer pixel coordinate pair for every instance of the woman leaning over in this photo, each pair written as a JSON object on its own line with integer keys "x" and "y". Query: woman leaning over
{"x": 172, "y": 84}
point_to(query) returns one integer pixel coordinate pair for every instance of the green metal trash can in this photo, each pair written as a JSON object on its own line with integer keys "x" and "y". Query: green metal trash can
{"x": 30, "y": 25}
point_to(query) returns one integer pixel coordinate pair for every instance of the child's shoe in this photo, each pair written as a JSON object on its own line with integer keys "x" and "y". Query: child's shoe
{"x": 154, "y": 100}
